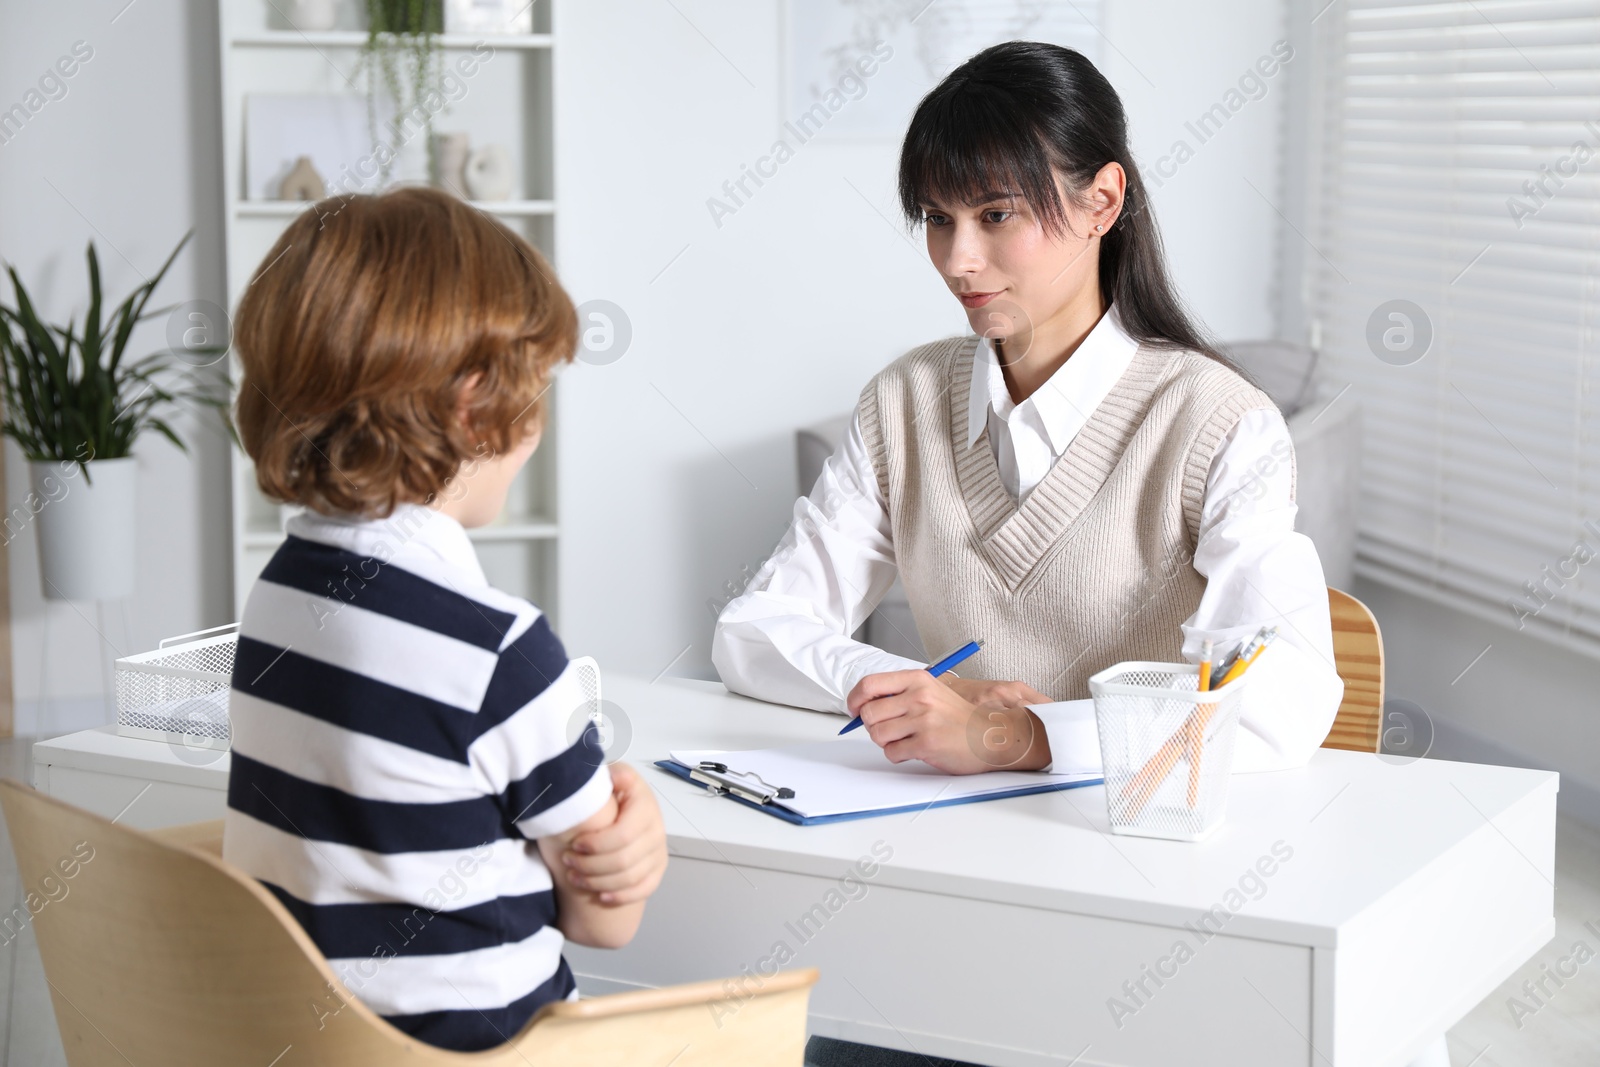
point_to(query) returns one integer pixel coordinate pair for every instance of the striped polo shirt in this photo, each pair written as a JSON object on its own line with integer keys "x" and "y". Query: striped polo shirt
{"x": 402, "y": 736}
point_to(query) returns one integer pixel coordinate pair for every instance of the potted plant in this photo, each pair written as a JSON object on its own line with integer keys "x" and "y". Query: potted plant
{"x": 402, "y": 55}
{"x": 76, "y": 407}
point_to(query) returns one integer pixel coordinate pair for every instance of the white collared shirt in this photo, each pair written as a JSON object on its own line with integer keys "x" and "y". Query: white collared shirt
{"x": 1027, "y": 438}
{"x": 787, "y": 638}
{"x": 419, "y": 538}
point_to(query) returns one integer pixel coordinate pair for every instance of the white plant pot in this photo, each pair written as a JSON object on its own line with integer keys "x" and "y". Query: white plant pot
{"x": 85, "y": 527}
{"x": 313, "y": 15}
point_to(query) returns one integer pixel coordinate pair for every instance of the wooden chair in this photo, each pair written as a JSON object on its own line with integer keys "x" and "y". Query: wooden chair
{"x": 158, "y": 952}
{"x": 1358, "y": 657}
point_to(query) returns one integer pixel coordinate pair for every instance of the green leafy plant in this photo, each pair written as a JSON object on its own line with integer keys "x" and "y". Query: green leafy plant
{"x": 402, "y": 55}
{"x": 68, "y": 393}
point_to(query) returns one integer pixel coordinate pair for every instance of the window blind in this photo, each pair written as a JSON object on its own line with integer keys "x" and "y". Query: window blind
{"x": 1453, "y": 257}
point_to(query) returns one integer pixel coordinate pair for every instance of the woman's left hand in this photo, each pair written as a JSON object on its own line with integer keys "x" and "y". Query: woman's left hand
{"x": 994, "y": 694}
{"x": 912, "y": 715}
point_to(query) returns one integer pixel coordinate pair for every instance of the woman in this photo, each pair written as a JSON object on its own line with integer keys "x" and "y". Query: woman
{"x": 1086, "y": 481}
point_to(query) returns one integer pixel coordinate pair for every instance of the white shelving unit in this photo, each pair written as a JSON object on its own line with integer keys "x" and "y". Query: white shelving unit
{"x": 291, "y": 38}
{"x": 286, "y": 209}
{"x": 508, "y": 101}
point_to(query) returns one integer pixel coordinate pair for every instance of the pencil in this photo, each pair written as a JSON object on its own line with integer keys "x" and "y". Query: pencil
{"x": 1137, "y": 792}
{"x": 1197, "y": 737}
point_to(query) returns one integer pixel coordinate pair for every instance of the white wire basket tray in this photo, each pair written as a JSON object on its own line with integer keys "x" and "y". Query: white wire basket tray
{"x": 179, "y": 692}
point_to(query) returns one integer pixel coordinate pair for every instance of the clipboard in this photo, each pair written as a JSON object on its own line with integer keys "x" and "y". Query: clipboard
{"x": 847, "y": 778}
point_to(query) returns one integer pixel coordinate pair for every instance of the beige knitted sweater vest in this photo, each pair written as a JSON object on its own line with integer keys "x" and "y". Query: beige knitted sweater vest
{"x": 1095, "y": 567}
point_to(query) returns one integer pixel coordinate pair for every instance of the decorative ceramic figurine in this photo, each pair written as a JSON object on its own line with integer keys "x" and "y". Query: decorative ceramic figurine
{"x": 488, "y": 16}
{"x": 489, "y": 173}
{"x": 313, "y": 15}
{"x": 450, "y": 162}
{"x": 303, "y": 182}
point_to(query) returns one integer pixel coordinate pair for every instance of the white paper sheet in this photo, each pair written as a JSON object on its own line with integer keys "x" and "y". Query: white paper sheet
{"x": 850, "y": 774}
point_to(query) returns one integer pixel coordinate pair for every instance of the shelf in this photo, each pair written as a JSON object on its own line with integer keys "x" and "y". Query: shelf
{"x": 524, "y": 529}
{"x": 509, "y": 105}
{"x": 283, "y": 209}
{"x": 358, "y": 38}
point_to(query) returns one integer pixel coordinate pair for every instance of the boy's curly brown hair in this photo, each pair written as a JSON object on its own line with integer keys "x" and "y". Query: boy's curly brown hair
{"x": 358, "y": 332}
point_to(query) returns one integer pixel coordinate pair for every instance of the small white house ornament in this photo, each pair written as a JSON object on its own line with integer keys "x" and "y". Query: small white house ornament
{"x": 303, "y": 182}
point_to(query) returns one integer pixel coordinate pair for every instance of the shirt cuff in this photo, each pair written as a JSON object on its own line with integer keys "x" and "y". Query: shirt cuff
{"x": 872, "y": 661}
{"x": 1286, "y": 711}
{"x": 1074, "y": 740}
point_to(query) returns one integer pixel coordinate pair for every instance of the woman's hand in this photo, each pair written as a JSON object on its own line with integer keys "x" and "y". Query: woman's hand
{"x": 994, "y": 694}
{"x": 913, "y": 715}
{"x": 622, "y": 863}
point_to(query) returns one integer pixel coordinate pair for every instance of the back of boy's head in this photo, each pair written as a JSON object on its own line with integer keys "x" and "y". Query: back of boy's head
{"x": 358, "y": 332}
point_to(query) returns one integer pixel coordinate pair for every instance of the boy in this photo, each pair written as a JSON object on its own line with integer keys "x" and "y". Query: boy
{"x": 413, "y": 774}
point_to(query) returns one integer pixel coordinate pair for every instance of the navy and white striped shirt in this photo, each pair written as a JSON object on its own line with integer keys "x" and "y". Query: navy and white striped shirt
{"x": 402, "y": 734}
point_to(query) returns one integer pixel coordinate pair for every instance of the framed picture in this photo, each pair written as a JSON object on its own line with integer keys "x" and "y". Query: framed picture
{"x": 854, "y": 70}
{"x": 488, "y": 16}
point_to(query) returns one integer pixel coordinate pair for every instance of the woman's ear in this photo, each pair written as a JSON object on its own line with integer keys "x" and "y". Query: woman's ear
{"x": 1107, "y": 194}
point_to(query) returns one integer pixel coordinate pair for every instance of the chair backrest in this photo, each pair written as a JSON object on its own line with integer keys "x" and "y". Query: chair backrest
{"x": 1358, "y": 657}
{"x": 156, "y": 951}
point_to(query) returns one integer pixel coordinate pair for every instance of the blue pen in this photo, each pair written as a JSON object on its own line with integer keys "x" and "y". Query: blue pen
{"x": 968, "y": 649}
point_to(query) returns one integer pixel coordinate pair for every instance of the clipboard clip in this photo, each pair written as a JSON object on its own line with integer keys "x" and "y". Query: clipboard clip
{"x": 719, "y": 780}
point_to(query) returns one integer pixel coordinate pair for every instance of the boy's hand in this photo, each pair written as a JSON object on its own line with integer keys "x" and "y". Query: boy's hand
{"x": 622, "y": 863}
{"x": 913, "y": 715}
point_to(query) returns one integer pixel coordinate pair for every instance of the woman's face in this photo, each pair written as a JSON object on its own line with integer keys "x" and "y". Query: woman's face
{"x": 1010, "y": 275}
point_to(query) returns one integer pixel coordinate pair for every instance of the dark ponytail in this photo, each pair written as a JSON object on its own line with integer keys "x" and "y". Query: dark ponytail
{"x": 1007, "y": 116}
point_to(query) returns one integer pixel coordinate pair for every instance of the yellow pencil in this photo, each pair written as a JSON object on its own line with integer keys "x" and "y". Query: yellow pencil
{"x": 1137, "y": 792}
{"x": 1195, "y": 738}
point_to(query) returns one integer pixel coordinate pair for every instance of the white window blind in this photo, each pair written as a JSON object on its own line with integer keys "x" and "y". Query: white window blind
{"x": 1456, "y": 166}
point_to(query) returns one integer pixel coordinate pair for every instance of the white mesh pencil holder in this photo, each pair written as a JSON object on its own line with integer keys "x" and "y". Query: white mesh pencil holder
{"x": 1167, "y": 748}
{"x": 180, "y": 690}
{"x": 614, "y": 733}
{"x": 588, "y": 672}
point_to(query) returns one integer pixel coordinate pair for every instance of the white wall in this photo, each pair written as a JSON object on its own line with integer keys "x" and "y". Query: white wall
{"x": 1489, "y": 694}
{"x": 1171, "y": 61}
{"x": 677, "y": 461}
{"x": 129, "y": 158}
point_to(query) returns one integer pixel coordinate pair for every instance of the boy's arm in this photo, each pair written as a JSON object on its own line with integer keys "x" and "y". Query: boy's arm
{"x": 605, "y": 867}
{"x": 580, "y": 914}
{"x": 591, "y": 820}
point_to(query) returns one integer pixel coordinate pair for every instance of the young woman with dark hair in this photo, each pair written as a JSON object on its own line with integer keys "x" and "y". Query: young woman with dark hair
{"x": 1083, "y": 480}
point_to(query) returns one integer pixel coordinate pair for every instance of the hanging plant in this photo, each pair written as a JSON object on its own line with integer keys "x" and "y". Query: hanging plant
{"x": 401, "y": 57}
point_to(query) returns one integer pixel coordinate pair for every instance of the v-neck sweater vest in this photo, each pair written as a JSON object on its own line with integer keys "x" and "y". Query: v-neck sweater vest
{"x": 1095, "y": 566}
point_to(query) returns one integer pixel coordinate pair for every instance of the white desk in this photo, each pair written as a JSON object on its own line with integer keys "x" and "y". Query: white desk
{"x": 999, "y": 932}
{"x": 148, "y": 783}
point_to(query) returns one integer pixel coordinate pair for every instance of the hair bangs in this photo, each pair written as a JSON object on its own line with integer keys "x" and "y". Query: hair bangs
{"x": 970, "y": 142}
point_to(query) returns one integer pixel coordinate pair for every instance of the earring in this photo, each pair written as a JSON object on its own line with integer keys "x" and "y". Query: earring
{"x": 1098, "y": 228}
